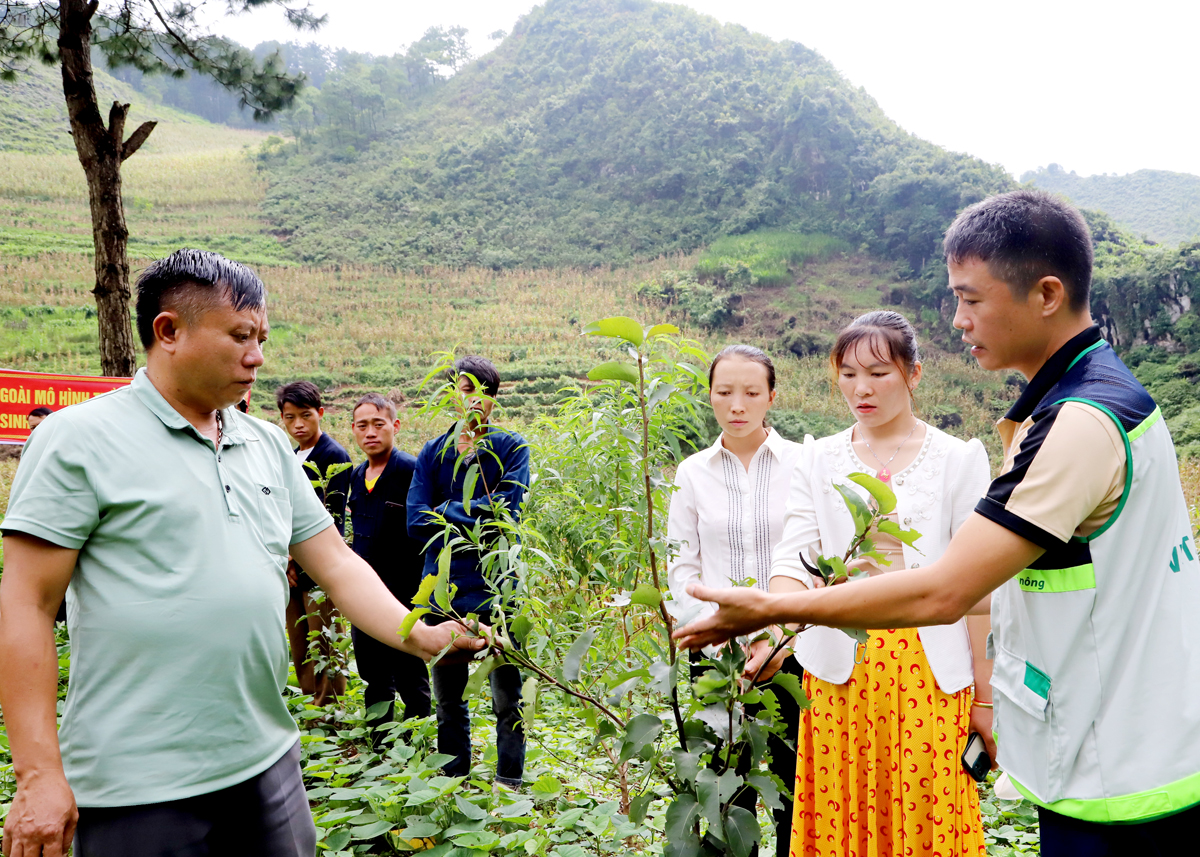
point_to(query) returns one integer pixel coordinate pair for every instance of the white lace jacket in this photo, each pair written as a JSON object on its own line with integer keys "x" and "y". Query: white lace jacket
{"x": 934, "y": 495}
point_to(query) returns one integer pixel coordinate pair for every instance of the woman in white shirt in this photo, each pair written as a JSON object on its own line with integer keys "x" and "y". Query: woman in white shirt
{"x": 727, "y": 514}
{"x": 879, "y": 752}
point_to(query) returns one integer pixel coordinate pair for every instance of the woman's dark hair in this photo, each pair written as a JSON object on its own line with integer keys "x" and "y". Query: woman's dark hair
{"x": 302, "y": 394}
{"x": 889, "y": 335}
{"x": 187, "y": 280}
{"x": 746, "y": 352}
{"x": 482, "y": 370}
{"x": 41, "y": 412}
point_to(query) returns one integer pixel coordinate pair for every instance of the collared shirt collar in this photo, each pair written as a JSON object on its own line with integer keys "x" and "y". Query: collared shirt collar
{"x": 149, "y": 396}
{"x": 1051, "y": 372}
{"x": 774, "y": 444}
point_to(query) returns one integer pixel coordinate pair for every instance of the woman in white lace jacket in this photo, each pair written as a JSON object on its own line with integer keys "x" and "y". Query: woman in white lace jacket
{"x": 878, "y": 754}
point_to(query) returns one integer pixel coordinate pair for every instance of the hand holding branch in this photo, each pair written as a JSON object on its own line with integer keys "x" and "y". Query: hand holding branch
{"x": 742, "y": 610}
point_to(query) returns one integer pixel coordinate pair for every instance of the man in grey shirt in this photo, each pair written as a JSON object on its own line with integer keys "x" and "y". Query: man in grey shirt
{"x": 167, "y": 517}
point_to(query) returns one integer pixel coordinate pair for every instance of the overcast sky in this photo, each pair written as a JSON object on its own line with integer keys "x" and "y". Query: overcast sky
{"x": 1098, "y": 87}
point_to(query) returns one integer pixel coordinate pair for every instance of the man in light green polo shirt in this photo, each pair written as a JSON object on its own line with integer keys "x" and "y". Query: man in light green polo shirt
{"x": 171, "y": 516}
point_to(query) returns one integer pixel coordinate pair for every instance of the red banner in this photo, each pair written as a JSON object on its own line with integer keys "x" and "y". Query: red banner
{"x": 22, "y": 392}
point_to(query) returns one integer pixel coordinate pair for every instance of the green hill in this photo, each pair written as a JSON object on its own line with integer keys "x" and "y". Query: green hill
{"x": 33, "y": 117}
{"x": 602, "y": 131}
{"x": 1161, "y": 205}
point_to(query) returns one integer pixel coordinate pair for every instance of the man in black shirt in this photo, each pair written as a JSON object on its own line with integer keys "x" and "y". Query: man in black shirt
{"x": 378, "y": 514}
{"x": 301, "y": 409}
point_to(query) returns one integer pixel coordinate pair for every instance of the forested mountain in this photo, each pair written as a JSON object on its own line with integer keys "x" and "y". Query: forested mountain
{"x": 605, "y": 130}
{"x": 1161, "y": 205}
{"x": 423, "y": 64}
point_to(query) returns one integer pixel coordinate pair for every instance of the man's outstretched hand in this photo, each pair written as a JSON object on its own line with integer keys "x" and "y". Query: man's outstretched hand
{"x": 464, "y": 642}
{"x": 742, "y": 611}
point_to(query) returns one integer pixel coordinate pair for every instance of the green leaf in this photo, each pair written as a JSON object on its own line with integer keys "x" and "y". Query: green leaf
{"x": 893, "y": 529}
{"x": 638, "y": 806}
{"x": 574, "y": 660}
{"x": 520, "y": 809}
{"x": 370, "y": 831}
{"x": 662, "y": 330}
{"x": 646, "y": 593}
{"x": 337, "y": 840}
{"x": 687, "y": 765}
{"x": 420, "y": 830}
{"x": 571, "y": 817}
{"x": 469, "y": 485}
{"x": 614, "y": 371}
{"x": 663, "y": 676}
{"x": 413, "y": 617}
{"x": 661, "y": 393}
{"x": 520, "y": 628}
{"x": 377, "y": 710}
{"x": 709, "y": 794}
{"x": 470, "y": 810}
{"x": 885, "y": 498}
{"x": 766, "y": 788}
{"x": 441, "y": 589}
{"x": 545, "y": 788}
{"x": 617, "y": 326}
{"x": 791, "y": 684}
{"x": 484, "y": 839}
{"x": 425, "y": 590}
{"x": 475, "y": 683}
{"x": 640, "y": 731}
{"x": 741, "y": 831}
{"x": 858, "y": 507}
{"x": 529, "y": 701}
{"x": 682, "y": 815}
{"x": 858, "y": 634}
{"x": 838, "y": 568}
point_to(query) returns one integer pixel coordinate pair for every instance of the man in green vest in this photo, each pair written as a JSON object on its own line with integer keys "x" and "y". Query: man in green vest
{"x": 1084, "y": 542}
{"x": 167, "y": 517}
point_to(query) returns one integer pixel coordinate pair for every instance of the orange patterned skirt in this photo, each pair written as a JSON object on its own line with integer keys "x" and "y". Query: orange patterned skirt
{"x": 878, "y": 768}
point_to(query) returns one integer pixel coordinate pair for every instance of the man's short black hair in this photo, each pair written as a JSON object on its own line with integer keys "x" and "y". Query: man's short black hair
{"x": 41, "y": 412}
{"x": 482, "y": 369}
{"x": 188, "y": 277}
{"x": 302, "y": 394}
{"x": 378, "y": 401}
{"x": 1023, "y": 236}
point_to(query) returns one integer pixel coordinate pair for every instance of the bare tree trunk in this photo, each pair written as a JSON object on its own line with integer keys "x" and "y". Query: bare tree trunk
{"x": 101, "y": 152}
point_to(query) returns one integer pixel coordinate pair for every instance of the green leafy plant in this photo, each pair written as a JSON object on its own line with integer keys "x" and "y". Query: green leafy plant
{"x": 329, "y": 646}
{"x": 870, "y": 519}
{"x": 700, "y": 751}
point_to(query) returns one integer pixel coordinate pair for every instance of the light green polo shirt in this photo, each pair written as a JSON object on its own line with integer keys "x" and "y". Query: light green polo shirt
{"x": 176, "y": 608}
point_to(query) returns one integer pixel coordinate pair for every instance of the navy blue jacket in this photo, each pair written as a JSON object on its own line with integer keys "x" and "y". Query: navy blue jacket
{"x": 437, "y": 488}
{"x": 328, "y": 451}
{"x": 380, "y": 524}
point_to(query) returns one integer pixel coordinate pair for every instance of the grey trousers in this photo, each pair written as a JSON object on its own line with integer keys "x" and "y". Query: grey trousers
{"x": 266, "y": 816}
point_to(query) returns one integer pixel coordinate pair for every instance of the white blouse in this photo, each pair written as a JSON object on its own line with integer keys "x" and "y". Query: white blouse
{"x": 934, "y": 495}
{"x": 726, "y": 518}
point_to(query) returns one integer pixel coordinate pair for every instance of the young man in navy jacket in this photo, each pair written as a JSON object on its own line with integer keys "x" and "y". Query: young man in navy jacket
{"x": 378, "y": 492}
{"x": 438, "y": 489}
{"x": 301, "y": 410}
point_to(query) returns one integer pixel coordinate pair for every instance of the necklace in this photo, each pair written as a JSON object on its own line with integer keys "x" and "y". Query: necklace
{"x": 221, "y": 429}
{"x": 885, "y": 475}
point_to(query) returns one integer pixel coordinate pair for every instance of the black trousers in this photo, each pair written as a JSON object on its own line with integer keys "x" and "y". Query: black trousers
{"x": 386, "y": 672}
{"x": 1167, "y": 837}
{"x": 266, "y": 816}
{"x": 783, "y": 754}
{"x": 454, "y": 718}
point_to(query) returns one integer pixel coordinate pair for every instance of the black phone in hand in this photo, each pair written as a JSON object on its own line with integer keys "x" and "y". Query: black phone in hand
{"x": 975, "y": 760}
